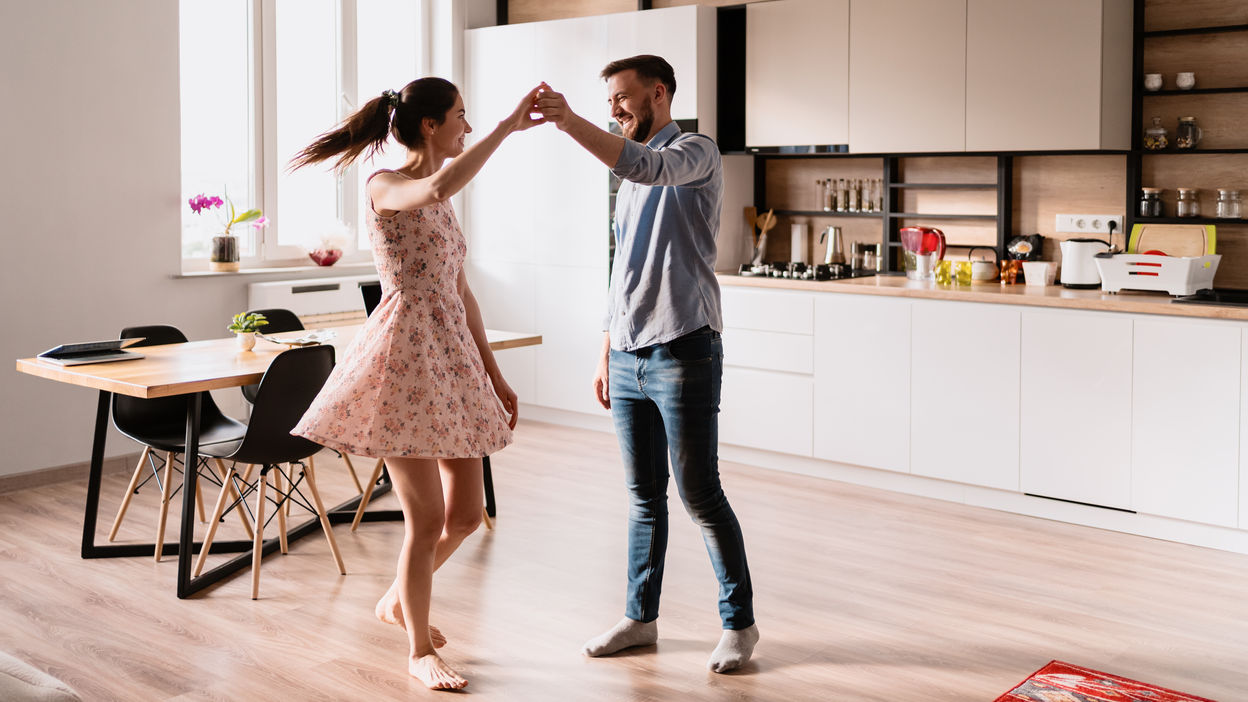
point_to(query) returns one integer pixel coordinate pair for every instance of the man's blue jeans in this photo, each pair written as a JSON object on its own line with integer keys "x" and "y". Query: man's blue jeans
{"x": 666, "y": 397}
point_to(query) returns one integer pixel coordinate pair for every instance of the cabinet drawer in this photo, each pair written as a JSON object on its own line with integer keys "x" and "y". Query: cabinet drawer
{"x": 771, "y": 411}
{"x": 776, "y": 351}
{"x": 768, "y": 310}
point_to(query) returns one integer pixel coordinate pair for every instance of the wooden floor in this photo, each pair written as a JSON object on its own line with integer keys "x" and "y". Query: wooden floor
{"x": 861, "y": 595}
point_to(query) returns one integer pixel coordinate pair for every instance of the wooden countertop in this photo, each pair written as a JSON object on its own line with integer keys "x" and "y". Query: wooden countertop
{"x": 996, "y": 293}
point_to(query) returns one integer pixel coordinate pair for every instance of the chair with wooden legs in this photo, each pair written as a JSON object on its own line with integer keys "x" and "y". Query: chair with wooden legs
{"x": 286, "y": 390}
{"x": 281, "y": 320}
{"x": 160, "y": 426}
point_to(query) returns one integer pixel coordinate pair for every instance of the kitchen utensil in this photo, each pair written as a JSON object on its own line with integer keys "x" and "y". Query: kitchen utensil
{"x": 799, "y": 232}
{"x": 765, "y": 223}
{"x": 942, "y": 272}
{"x": 962, "y": 272}
{"x": 1079, "y": 269}
{"x": 983, "y": 270}
{"x": 1038, "y": 272}
{"x": 1173, "y": 274}
{"x": 1174, "y": 239}
{"x": 834, "y": 251}
{"x": 922, "y": 247}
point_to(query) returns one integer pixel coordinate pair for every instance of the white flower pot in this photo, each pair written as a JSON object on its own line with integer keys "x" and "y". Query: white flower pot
{"x": 246, "y": 340}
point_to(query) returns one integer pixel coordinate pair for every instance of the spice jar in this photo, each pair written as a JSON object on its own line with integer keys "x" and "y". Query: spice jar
{"x": 1187, "y": 136}
{"x": 1156, "y": 137}
{"x": 1150, "y": 202}
{"x": 1189, "y": 204}
{"x": 1228, "y": 206}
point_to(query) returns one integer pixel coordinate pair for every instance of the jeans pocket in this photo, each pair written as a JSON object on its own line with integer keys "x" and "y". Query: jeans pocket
{"x": 696, "y": 348}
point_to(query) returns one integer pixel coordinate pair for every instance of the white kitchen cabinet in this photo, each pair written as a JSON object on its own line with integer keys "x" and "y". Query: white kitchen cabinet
{"x": 785, "y": 311}
{"x": 686, "y": 38}
{"x": 571, "y": 329}
{"x": 1185, "y": 420}
{"x": 964, "y": 392}
{"x": 907, "y": 76}
{"x": 862, "y": 380}
{"x": 797, "y": 72}
{"x": 1021, "y": 94}
{"x": 1075, "y": 430}
{"x": 766, "y": 410}
{"x": 1243, "y": 432}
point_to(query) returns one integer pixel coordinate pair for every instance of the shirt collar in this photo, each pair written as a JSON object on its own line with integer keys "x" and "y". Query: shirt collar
{"x": 664, "y": 135}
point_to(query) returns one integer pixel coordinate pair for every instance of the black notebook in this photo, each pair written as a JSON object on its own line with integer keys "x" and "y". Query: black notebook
{"x": 91, "y": 352}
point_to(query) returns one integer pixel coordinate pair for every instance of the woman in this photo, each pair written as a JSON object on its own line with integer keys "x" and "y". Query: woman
{"x": 419, "y": 386}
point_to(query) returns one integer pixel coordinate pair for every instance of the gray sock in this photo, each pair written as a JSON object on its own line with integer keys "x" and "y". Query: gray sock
{"x": 734, "y": 649}
{"x": 626, "y": 634}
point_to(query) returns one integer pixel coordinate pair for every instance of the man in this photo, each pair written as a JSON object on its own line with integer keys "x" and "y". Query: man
{"x": 662, "y": 360}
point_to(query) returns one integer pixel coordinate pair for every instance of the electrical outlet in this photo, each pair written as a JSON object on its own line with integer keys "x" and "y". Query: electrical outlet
{"x": 1088, "y": 223}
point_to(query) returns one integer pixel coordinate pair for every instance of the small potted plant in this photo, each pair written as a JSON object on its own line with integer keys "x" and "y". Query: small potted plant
{"x": 245, "y": 327}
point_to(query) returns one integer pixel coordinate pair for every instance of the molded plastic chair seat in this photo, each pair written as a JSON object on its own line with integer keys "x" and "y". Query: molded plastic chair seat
{"x": 279, "y": 320}
{"x": 286, "y": 391}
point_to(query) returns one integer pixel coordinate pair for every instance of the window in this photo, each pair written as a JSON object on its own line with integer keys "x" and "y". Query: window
{"x": 260, "y": 80}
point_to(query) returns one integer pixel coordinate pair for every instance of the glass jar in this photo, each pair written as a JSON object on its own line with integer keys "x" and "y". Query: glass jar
{"x": 1150, "y": 202}
{"x": 824, "y": 195}
{"x": 1156, "y": 137}
{"x": 1189, "y": 203}
{"x": 1187, "y": 136}
{"x": 1229, "y": 206}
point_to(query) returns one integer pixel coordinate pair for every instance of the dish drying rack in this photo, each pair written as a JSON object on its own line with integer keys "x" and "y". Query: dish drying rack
{"x": 1177, "y": 275}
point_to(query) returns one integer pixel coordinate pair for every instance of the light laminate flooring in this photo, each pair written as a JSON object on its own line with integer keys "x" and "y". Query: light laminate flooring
{"x": 861, "y": 594}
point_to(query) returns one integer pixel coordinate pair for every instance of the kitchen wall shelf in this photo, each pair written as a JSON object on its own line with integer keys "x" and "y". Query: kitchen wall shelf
{"x": 1189, "y": 220}
{"x": 1190, "y": 30}
{"x": 1195, "y": 91}
{"x": 825, "y": 213}
{"x": 928, "y": 215}
{"x": 1175, "y": 152}
{"x": 945, "y": 186}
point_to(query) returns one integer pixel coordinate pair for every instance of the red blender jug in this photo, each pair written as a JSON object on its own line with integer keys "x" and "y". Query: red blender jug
{"x": 922, "y": 247}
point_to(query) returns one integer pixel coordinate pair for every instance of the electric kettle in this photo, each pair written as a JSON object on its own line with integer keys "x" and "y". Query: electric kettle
{"x": 1078, "y": 262}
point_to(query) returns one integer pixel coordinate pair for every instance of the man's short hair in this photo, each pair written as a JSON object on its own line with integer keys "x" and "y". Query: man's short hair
{"x": 649, "y": 69}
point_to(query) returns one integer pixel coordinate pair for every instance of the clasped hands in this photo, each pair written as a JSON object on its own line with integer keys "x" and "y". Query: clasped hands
{"x": 542, "y": 104}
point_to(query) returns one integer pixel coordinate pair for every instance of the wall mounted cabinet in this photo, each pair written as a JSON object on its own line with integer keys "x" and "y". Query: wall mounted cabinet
{"x": 1023, "y": 92}
{"x": 797, "y": 73}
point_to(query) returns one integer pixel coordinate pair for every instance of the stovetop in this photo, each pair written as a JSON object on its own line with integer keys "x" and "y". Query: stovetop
{"x": 804, "y": 271}
{"x": 1222, "y": 298}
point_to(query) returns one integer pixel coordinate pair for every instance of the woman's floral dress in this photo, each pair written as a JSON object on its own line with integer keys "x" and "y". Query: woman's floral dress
{"x": 412, "y": 382}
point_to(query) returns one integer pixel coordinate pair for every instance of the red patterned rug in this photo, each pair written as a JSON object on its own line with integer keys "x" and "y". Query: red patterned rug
{"x": 1063, "y": 682}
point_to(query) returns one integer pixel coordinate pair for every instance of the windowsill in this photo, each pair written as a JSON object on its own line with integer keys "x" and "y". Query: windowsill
{"x": 278, "y": 270}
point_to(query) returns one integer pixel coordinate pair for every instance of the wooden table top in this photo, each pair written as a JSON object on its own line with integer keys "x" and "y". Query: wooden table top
{"x": 179, "y": 369}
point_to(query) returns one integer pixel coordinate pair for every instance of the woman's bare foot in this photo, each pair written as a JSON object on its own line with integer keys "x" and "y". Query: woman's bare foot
{"x": 391, "y": 612}
{"x": 435, "y": 673}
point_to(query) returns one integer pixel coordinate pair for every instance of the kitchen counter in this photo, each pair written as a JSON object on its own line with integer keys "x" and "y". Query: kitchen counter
{"x": 995, "y": 293}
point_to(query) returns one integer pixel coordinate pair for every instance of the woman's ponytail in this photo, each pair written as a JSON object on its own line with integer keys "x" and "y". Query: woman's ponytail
{"x": 365, "y": 131}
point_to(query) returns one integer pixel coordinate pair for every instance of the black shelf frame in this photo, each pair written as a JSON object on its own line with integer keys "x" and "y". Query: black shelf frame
{"x": 1135, "y": 157}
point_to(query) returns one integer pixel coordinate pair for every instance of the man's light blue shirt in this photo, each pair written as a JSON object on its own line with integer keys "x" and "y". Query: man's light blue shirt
{"x": 666, "y": 221}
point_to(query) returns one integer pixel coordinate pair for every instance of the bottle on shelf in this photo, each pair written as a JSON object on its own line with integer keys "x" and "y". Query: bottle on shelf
{"x": 1189, "y": 203}
{"x": 842, "y": 195}
{"x": 1150, "y": 202}
{"x": 1229, "y": 205}
{"x": 855, "y": 193}
{"x": 824, "y": 190}
{"x": 1187, "y": 136}
{"x": 1156, "y": 137}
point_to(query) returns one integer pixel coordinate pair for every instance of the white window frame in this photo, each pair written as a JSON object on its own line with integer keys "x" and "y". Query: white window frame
{"x": 262, "y": 137}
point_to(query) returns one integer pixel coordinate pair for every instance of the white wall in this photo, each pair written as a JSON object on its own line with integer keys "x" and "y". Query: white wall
{"x": 92, "y": 208}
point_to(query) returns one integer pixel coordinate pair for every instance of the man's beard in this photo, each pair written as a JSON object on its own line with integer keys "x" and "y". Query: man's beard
{"x": 642, "y": 122}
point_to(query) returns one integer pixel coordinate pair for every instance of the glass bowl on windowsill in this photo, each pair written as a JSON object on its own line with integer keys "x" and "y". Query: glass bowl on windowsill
{"x": 325, "y": 257}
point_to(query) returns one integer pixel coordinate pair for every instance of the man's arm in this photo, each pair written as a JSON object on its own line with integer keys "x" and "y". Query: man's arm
{"x": 604, "y": 145}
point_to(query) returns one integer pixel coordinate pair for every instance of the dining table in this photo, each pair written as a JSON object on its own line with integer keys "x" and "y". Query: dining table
{"x": 187, "y": 369}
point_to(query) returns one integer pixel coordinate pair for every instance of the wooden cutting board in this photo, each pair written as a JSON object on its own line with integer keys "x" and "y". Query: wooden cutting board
{"x": 1173, "y": 239}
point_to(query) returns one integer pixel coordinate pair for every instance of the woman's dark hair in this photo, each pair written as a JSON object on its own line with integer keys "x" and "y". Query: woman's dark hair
{"x": 649, "y": 69}
{"x": 399, "y": 114}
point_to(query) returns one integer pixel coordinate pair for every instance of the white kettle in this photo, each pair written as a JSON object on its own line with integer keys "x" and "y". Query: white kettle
{"x": 1079, "y": 264}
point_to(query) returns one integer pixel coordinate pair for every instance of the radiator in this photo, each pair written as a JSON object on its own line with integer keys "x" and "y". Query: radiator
{"x": 317, "y": 301}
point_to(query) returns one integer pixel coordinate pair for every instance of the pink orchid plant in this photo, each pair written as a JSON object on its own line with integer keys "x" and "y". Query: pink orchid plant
{"x": 202, "y": 202}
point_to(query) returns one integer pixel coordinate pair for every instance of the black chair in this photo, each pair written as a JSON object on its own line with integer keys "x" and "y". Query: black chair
{"x": 286, "y": 390}
{"x": 372, "y": 297}
{"x": 279, "y": 320}
{"x": 160, "y": 426}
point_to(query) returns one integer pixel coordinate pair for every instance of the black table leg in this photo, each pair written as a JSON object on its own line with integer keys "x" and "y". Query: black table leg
{"x": 190, "y": 475}
{"x": 488, "y": 479}
{"x": 93, "y": 477}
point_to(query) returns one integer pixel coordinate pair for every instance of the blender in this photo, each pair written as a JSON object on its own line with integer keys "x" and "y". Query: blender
{"x": 922, "y": 247}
